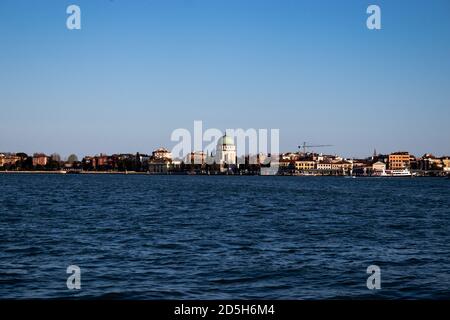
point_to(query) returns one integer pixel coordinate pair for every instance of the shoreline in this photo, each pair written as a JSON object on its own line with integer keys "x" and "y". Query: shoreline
{"x": 75, "y": 173}
{"x": 188, "y": 174}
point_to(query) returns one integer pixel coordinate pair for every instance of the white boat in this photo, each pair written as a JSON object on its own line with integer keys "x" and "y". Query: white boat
{"x": 394, "y": 173}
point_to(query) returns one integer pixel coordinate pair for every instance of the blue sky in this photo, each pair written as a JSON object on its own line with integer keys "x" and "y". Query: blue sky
{"x": 137, "y": 70}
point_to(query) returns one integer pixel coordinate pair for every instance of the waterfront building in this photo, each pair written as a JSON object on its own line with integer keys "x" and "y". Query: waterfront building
{"x": 305, "y": 165}
{"x": 341, "y": 165}
{"x": 161, "y": 154}
{"x": 286, "y": 166}
{"x": 324, "y": 165}
{"x": 226, "y": 150}
{"x": 9, "y": 159}
{"x": 430, "y": 162}
{"x": 196, "y": 157}
{"x": 399, "y": 160}
{"x": 159, "y": 166}
{"x": 40, "y": 159}
{"x": 445, "y": 164}
{"x": 160, "y": 161}
{"x": 164, "y": 166}
{"x": 226, "y": 153}
{"x": 101, "y": 160}
{"x": 379, "y": 166}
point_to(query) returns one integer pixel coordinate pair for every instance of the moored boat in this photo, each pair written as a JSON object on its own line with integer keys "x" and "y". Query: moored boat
{"x": 394, "y": 173}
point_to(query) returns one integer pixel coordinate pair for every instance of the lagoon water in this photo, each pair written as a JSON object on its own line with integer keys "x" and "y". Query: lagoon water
{"x": 223, "y": 237}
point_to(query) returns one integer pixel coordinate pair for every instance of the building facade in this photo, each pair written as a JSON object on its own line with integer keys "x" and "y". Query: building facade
{"x": 8, "y": 159}
{"x": 40, "y": 159}
{"x": 324, "y": 165}
{"x": 197, "y": 157}
{"x": 161, "y": 154}
{"x": 226, "y": 151}
{"x": 379, "y": 166}
{"x": 399, "y": 160}
{"x": 304, "y": 165}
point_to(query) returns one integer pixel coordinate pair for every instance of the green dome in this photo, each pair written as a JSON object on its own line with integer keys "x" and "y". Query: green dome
{"x": 226, "y": 140}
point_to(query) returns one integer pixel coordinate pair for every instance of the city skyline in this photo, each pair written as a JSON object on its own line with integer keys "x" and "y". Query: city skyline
{"x": 225, "y": 161}
{"x": 137, "y": 71}
{"x": 298, "y": 150}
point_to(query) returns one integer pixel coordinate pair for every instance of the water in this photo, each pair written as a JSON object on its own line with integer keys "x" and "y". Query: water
{"x": 199, "y": 237}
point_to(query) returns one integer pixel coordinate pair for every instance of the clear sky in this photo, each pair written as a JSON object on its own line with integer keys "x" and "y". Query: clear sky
{"x": 137, "y": 70}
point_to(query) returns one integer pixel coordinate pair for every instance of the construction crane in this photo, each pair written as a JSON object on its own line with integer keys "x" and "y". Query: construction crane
{"x": 304, "y": 146}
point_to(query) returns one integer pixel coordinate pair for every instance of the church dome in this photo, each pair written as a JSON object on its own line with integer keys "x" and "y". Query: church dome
{"x": 225, "y": 141}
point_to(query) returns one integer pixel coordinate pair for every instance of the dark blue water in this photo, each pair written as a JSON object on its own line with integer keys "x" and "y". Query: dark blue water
{"x": 197, "y": 237}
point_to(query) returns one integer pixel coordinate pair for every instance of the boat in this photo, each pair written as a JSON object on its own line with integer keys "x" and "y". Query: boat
{"x": 394, "y": 173}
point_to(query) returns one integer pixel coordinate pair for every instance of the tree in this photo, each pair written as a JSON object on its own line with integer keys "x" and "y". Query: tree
{"x": 72, "y": 158}
{"x": 56, "y": 157}
{"x": 22, "y": 155}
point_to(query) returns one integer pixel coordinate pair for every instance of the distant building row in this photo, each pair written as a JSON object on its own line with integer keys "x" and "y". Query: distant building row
{"x": 226, "y": 161}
